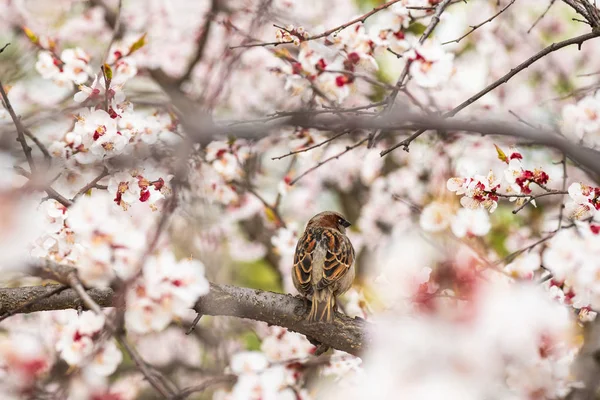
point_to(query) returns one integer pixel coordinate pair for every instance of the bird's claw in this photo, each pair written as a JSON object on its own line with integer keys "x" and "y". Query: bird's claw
{"x": 304, "y": 309}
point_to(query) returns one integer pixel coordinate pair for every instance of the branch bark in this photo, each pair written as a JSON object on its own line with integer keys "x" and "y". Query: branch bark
{"x": 346, "y": 334}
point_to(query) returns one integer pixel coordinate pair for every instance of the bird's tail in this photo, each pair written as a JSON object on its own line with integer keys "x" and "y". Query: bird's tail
{"x": 323, "y": 306}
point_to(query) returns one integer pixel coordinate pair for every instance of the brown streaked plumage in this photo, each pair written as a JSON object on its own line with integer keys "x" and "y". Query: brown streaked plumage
{"x": 324, "y": 264}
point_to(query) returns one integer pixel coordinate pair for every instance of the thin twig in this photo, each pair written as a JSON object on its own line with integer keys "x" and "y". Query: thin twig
{"x": 116, "y": 28}
{"x": 328, "y": 32}
{"x": 206, "y": 383}
{"x": 39, "y": 145}
{"x": 92, "y": 184}
{"x": 267, "y": 205}
{"x": 578, "y": 40}
{"x": 514, "y": 114}
{"x": 564, "y": 188}
{"x": 348, "y": 148}
{"x": 404, "y": 74}
{"x": 532, "y": 198}
{"x": 541, "y": 16}
{"x": 210, "y": 15}
{"x": 53, "y": 194}
{"x": 300, "y": 113}
{"x": 19, "y": 126}
{"x": 475, "y": 27}
{"x": 515, "y": 254}
{"x": 146, "y": 371}
{"x": 194, "y": 323}
{"x": 313, "y": 146}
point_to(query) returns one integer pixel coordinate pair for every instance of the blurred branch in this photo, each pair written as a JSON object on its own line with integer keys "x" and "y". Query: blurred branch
{"x": 92, "y": 184}
{"x": 334, "y": 157}
{"x": 110, "y": 16}
{"x": 29, "y": 304}
{"x": 52, "y": 194}
{"x": 435, "y": 20}
{"x": 586, "y": 366}
{"x": 578, "y": 40}
{"x": 146, "y": 370}
{"x": 39, "y": 144}
{"x": 345, "y": 333}
{"x": 541, "y": 16}
{"x": 328, "y": 32}
{"x": 214, "y": 6}
{"x": 305, "y": 149}
{"x": 205, "y": 384}
{"x": 19, "y": 126}
{"x": 116, "y": 27}
{"x": 584, "y": 156}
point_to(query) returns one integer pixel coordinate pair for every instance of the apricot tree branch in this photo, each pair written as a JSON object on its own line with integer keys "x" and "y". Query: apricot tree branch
{"x": 578, "y": 40}
{"x": 404, "y": 75}
{"x": 20, "y": 128}
{"x": 346, "y": 334}
{"x": 328, "y": 32}
{"x": 210, "y": 15}
{"x": 475, "y": 27}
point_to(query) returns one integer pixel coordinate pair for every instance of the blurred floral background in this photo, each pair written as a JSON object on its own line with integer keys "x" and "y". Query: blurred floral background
{"x": 167, "y": 145}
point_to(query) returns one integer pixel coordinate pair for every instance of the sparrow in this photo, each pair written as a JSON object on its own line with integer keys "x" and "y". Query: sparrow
{"x": 324, "y": 264}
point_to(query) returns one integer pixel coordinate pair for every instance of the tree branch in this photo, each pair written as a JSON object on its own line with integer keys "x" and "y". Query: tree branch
{"x": 346, "y": 334}
{"x": 328, "y": 32}
{"x": 20, "y": 128}
{"x": 475, "y": 27}
{"x": 578, "y": 40}
{"x": 214, "y": 6}
{"x": 52, "y": 194}
{"x": 435, "y": 20}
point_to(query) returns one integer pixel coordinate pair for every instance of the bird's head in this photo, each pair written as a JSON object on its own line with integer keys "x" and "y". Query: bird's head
{"x": 329, "y": 219}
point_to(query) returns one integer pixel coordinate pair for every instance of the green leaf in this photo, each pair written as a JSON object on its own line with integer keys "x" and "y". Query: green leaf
{"x": 501, "y": 155}
{"x": 32, "y": 36}
{"x": 107, "y": 72}
{"x": 138, "y": 44}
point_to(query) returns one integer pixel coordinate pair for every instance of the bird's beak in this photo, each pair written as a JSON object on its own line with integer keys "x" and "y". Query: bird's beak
{"x": 346, "y": 224}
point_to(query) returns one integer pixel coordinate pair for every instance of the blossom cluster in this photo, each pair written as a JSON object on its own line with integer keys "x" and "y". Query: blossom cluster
{"x": 483, "y": 191}
{"x": 330, "y": 76}
{"x": 168, "y": 289}
{"x": 80, "y": 342}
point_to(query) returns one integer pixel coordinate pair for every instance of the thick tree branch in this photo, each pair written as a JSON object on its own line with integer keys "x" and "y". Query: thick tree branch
{"x": 585, "y": 157}
{"x": 346, "y": 334}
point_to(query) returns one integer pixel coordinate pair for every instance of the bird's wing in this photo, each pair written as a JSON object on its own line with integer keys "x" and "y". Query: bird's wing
{"x": 303, "y": 259}
{"x": 338, "y": 257}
